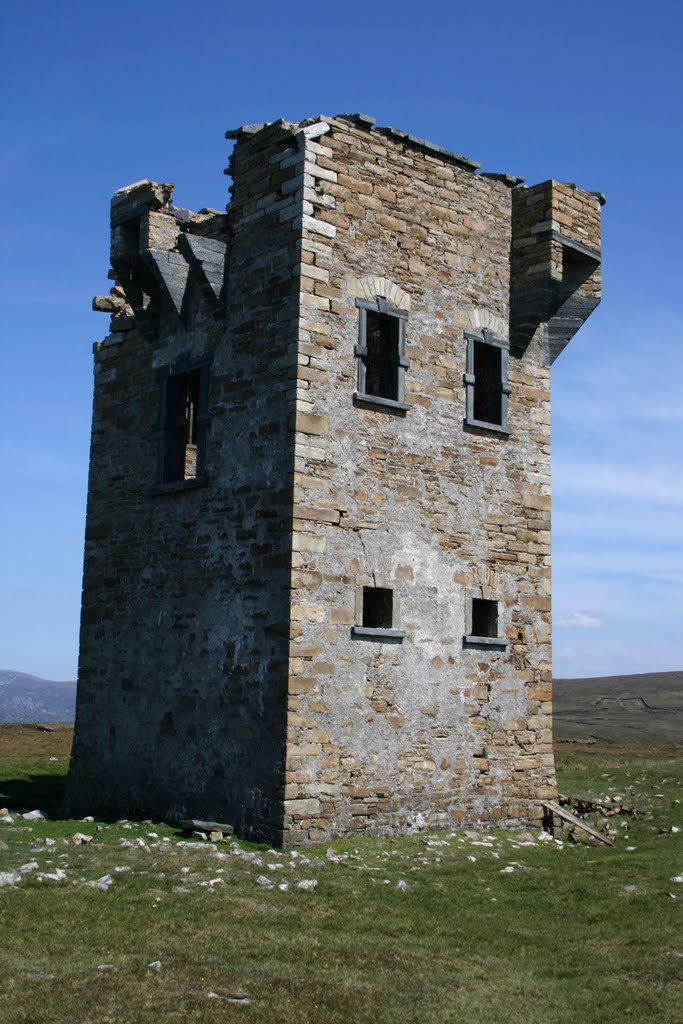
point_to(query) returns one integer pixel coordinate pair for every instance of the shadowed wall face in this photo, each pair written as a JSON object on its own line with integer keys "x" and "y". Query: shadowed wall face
{"x": 183, "y": 666}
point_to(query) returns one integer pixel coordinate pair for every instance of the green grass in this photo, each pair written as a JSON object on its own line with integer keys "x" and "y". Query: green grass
{"x": 575, "y": 933}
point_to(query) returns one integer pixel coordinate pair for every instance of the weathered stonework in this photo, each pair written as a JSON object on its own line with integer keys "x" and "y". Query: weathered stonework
{"x": 227, "y": 669}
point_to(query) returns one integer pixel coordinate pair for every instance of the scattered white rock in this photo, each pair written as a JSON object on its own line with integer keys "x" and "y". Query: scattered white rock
{"x": 677, "y": 878}
{"x": 51, "y": 876}
{"x": 155, "y": 965}
{"x": 231, "y": 997}
{"x": 122, "y": 868}
{"x": 80, "y": 839}
{"x": 9, "y": 877}
{"x": 283, "y": 886}
{"x": 7, "y": 819}
{"x": 35, "y": 816}
{"x": 675, "y": 828}
{"x": 106, "y": 968}
{"x": 307, "y": 884}
{"x": 265, "y": 882}
{"x": 275, "y": 867}
{"x": 471, "y": 858}
{"x": 401, "y": 885}
{"x": 508, "y": 870}
{"x": 89, "y": 817}
{"x": 49, "y": 842}
{"x": 31, "y": 865}
{"x": 102, "y": 883}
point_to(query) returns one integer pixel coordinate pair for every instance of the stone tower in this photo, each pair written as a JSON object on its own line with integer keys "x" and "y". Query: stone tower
{"x": 316, "y": 593}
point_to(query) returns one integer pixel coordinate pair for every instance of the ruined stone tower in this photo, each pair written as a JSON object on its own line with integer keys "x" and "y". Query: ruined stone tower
{"x": 316, "y": 592}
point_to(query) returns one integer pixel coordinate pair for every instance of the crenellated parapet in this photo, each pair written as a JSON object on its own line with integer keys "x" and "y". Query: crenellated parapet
{"x": 555, "y": 265}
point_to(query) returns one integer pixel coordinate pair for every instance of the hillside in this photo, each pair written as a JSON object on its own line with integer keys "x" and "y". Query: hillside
{"x": 642, "y": 709}
{"x": 26, "y": 698}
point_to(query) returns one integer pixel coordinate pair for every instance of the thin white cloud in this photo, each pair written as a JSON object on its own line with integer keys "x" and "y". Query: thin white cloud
{"x": 657, "y": 564}
{"x": 580, "y": 620}
{"x": 574, "y": 477}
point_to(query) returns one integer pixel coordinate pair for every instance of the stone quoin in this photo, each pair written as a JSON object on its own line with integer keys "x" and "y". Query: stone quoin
{"x": 316, "y": 592}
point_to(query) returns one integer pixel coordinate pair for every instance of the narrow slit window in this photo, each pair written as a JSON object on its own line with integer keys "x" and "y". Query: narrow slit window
{"x": 378, "y": 607}
{"x": 484, "y": 617}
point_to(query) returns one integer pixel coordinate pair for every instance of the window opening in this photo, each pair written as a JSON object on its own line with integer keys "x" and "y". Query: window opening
{"x": 380, "y": 351}
{"x": 484, "y": 617}
{"x": 183, "y": 420}
{"x": 182, "y": 410}
{"x": 487, "y": 383}
{"x": 378, "y": 607}
{"x": 382, "y": 359}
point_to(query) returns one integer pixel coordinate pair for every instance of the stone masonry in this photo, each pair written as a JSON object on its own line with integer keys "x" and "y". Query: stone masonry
{"x": 316, "y": 595}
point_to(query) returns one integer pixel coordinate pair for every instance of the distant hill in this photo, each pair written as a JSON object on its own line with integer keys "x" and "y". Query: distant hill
{"x": 630, "y": 710}
{"x": 640, "y": 709}
{"x": 25, "y": 698}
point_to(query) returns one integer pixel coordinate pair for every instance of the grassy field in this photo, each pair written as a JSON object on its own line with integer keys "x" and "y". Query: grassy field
{"x": 502, "y": 928}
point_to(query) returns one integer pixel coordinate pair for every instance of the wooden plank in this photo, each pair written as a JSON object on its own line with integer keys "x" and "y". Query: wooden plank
{"x": 556, "y": 809}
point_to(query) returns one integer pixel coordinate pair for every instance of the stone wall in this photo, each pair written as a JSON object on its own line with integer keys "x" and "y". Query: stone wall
{"x": 429, "y": 729}
{"x": 183, "y": 667}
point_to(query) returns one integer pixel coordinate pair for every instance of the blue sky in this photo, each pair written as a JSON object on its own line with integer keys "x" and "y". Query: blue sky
{"x": 94, "y": 96}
